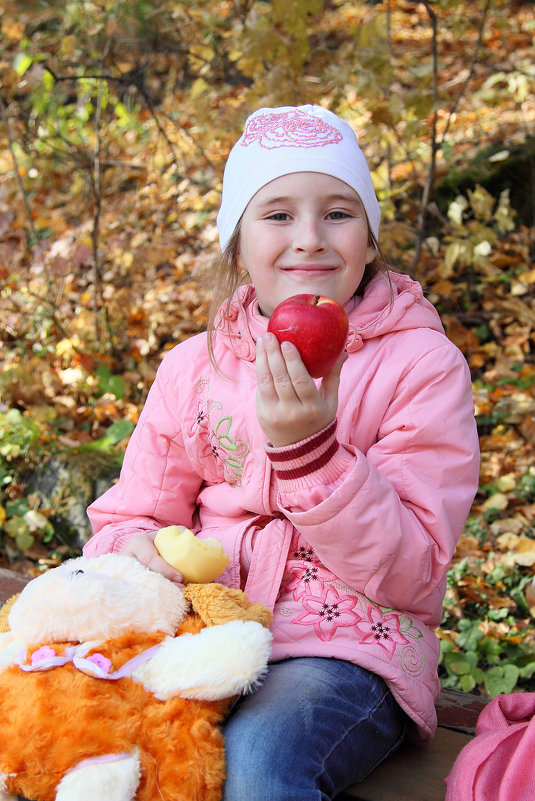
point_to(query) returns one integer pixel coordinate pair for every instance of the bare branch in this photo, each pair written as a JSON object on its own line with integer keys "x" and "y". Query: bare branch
{"x": 470, "y": 70}
{"x": 435, "y": 146}
{"x": 97, "y": 199}
{"x": 5, "y": 123}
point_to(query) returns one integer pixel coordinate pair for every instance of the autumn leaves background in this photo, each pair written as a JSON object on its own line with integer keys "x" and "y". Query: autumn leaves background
{"x": 115, "y": 120}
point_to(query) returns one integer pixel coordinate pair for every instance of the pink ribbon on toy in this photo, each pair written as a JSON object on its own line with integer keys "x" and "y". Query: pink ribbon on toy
{"x": 96, "y": 665}
{"x": 99, "y": 760}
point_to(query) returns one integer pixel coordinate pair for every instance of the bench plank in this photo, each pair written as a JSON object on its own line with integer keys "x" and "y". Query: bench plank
{"x": 417, "y": 772}
{"x": 10, "y": 583}
{"x": 459, "y": 711}
{"x": 414, "y": 772}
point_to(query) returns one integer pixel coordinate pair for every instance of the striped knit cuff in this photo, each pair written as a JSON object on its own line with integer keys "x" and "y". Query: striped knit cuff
{"x": 298, "y": 466}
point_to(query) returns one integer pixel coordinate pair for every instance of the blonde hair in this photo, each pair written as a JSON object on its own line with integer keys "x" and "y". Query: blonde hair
{"x": 227, "y": 279}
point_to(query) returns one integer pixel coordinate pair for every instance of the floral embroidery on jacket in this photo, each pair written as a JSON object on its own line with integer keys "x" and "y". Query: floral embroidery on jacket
{"x": 226, "y": 455}
{"x": 311, "y": 581}
{"x": 380, "y": 629}
{"x": 305, "y": 552}
{"x": 328, "y": 604}
{"x": 327, "y": 612}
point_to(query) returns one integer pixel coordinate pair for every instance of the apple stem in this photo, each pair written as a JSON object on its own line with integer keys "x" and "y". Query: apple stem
{"x": 316, "y": 300}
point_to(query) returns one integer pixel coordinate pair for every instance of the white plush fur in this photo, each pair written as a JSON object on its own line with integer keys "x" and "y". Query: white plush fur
{"x": 109, "y": 781}
{"x": 4, "y": 795}
{"x": 10, "y": 650}
{"x": 60, "y": 605}
{"x": 218, "y": 662}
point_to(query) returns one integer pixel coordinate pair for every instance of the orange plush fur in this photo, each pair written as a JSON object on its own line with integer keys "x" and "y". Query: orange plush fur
{"x": 68, "y": 716}
{"x": 52, "y": 720}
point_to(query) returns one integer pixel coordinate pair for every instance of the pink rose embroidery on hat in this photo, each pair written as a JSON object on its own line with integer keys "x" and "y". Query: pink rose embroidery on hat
{"x": 289, "y": 129}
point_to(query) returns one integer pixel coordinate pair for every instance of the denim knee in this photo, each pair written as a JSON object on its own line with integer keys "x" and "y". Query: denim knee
{"x": 315, "y": 726}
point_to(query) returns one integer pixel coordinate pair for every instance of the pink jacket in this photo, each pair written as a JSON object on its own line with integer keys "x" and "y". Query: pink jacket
{"x": 348, "y": 535}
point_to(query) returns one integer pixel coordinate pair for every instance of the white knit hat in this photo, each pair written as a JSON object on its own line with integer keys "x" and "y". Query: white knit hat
{"x": 278, "y": 141}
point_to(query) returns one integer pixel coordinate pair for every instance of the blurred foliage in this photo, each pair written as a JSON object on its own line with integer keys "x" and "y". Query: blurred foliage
{"x": 115, "y": 122}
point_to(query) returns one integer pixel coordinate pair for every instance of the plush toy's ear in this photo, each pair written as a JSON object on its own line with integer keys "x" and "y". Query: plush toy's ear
{"x": 4, "y": 612}
{"x": 217, "y": 604}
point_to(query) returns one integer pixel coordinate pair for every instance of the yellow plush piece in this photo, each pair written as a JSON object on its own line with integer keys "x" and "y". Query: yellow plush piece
{"x": 114, "y": 683}
{"x": 4, "y": 612}
{"x": 199, "y": 560}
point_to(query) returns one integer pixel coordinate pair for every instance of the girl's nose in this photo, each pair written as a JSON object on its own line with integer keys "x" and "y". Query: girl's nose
{"x": 309, "y": 236}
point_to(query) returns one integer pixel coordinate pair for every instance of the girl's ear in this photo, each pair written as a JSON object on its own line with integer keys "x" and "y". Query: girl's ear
{"x": 371, "y": 253}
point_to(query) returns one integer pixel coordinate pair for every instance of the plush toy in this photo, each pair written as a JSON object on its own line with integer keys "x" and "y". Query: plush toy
{"x": 114, "y": 682}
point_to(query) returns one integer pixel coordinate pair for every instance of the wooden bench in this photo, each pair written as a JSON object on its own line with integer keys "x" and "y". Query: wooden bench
{"x": 417, "y": 772}
{"x": 10, "y": 583}
{"x": 414, "y": 772}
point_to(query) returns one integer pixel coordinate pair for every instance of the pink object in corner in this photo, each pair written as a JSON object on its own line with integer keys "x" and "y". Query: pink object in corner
{"x": 497, "y": 765}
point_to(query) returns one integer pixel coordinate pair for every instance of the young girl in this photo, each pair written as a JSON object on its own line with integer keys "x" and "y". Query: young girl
{"x": 339, "y": 500}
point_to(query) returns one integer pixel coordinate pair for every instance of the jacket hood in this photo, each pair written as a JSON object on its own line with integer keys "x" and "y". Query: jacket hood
{"x": 391, "y": 302}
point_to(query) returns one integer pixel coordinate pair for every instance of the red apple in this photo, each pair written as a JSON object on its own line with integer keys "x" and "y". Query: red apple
{"x": 316, "y": 325}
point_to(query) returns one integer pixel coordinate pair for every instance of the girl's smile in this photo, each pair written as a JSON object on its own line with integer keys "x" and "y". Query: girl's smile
{"x": 304, "y": 232}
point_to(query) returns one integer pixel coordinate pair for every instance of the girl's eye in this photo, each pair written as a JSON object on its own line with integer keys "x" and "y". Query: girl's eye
{"x": 338, "y": 215}
{"x": 279, "y": 216}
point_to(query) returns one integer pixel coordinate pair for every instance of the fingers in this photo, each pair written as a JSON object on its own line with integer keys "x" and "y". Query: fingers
{"x": 289, "y": 406}
{"x": 280, "y": 370}
{"x": 143, "y": 549}
{"x": 159, "y": 565}
{"x": 331, "y": 382}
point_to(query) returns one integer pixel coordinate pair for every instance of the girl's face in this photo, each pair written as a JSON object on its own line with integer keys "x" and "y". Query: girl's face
{"x": 304, "y": 233}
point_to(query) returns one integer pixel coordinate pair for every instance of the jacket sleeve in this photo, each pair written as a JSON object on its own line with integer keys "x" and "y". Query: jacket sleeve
{"x": 158, "y": 485}
{"x": 386, "y": 522}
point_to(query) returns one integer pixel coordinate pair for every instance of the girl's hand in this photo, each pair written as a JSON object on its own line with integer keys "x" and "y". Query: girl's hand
{"x": 289, "y": 406}
{"x": 142, "y": 548}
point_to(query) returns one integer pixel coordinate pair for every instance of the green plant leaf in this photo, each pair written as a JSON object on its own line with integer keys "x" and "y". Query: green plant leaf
{"x": 469, "y": 638}
{"x": 119, "y": 431}
{"x": 108, "y": 383}
{"x": 18, "y": 507}
{"x": 456, "y": 663}
{"x": 116, "y": 433}
{"x": 467, "y": 682}
{"x": 16, "y": 527}
{"x": 500, "y": 679}
{"x": 24, "y": 540}
{"x": 22, "y": 63}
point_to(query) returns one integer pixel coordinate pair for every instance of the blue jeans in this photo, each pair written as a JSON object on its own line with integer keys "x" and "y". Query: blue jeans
{"x": 313, "y": 727}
